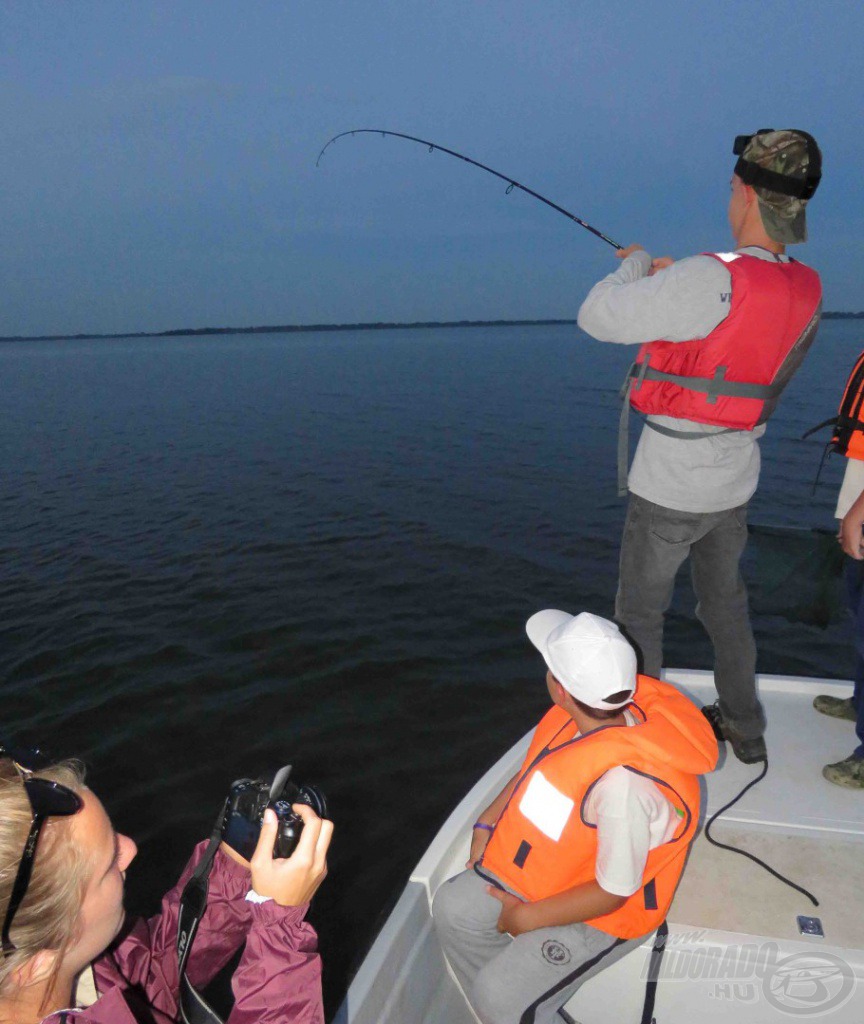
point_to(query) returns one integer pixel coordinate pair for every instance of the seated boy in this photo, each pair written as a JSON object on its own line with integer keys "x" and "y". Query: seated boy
{"x": 577, "y": 858}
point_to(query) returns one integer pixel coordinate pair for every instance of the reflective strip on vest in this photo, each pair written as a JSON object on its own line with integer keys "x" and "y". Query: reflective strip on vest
{"x": 545, "y": 806}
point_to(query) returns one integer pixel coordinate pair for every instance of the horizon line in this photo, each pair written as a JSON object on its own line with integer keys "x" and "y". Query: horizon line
{"x": 179, "y": 332}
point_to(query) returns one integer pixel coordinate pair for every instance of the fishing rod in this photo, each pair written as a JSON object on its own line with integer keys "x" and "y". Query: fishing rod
{"x": 511, "y": 182}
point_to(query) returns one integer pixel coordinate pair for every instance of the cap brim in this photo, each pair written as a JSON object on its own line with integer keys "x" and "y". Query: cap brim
{"x": 540, "y": 626}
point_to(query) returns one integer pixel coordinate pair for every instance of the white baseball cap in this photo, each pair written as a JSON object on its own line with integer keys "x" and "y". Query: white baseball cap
{"x": 587, "y": 655}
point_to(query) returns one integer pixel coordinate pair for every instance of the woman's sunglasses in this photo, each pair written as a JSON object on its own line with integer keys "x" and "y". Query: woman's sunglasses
{"x": 47, "y": 800}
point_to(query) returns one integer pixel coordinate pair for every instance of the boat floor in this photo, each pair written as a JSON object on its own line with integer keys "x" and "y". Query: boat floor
{"x": 802, "y": 825}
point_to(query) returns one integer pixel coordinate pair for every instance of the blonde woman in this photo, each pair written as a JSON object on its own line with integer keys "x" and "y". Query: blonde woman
{"x": 70, "y": 956}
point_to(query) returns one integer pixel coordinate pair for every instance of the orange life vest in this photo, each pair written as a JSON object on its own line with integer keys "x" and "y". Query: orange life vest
{"x": 542, "y": 845}
{"x": 848, "y": 436}
{"x": 733, "y": 377}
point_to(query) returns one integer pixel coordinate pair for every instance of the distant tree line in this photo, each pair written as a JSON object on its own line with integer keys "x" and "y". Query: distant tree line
{"x": 199, "y": 332}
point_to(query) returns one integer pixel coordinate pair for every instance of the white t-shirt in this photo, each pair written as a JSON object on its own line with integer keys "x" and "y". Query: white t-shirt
{"x": 632, "y": 817}
{"x": 851, "y": 488}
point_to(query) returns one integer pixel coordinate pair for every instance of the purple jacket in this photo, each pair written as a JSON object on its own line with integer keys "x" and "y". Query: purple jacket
{"x": 278, "y": 980}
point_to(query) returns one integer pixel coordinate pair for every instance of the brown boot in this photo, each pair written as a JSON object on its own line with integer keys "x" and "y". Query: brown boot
{"x": 848, "y": 773}
{"x": 836, "y": 707}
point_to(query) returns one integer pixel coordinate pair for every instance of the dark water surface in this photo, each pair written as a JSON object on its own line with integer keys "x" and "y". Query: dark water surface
{"x": 220, "y": 555}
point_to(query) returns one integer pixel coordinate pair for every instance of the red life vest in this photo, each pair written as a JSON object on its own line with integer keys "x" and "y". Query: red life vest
{"x": 733, "y": 377}
{"x": 542, "y": 844}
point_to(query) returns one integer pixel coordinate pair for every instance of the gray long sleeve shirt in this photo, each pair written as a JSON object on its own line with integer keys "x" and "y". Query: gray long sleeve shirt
{"x": 684, "y": 302}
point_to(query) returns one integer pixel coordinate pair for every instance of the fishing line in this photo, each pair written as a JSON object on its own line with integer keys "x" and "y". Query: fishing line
{"x": 511, "y": 182}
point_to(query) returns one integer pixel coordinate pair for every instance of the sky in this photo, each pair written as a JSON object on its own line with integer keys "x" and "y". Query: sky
{"x": 157, "y": 165}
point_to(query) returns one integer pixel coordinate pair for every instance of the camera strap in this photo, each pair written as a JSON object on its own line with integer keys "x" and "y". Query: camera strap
{"x": 194, "y": 1008}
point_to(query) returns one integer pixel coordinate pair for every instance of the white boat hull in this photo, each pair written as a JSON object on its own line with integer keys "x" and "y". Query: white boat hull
{"x": 734, "y": 951}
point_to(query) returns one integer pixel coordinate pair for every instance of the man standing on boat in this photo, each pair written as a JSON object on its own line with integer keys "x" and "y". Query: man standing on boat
{"x": 721, "y": 336}
{"x": 848, "y": 440}
{"x": 578, "y": 857}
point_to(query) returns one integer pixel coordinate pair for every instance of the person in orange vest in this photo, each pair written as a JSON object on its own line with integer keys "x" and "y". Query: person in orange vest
{"x": 578, "y": 857}
{"x": 848, "y": 440}
{"x": 721, "y": 335}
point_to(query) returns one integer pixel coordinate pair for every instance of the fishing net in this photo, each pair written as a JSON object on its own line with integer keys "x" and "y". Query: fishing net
{"x": 796, "y": 574}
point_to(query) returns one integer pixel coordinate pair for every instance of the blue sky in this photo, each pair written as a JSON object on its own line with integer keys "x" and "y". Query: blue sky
{"x": 158, "y": 159}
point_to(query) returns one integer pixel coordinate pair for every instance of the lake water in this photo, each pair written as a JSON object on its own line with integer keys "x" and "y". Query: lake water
{"x": 223, "y": 554}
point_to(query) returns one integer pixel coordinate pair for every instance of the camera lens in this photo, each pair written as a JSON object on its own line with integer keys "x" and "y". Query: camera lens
{"x": 313, "y": 796}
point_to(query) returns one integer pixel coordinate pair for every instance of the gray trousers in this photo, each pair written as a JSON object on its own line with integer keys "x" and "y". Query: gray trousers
{"x": 516, "y": 981}
{"x": 655, "y": 543}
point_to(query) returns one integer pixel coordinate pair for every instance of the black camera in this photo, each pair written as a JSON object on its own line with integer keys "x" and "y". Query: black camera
{"x": 250, "y": 798}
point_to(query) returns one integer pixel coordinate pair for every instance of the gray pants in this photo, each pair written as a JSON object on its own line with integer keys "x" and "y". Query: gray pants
{"x": 516, "y": 981}
{"x": 655, "y": 543}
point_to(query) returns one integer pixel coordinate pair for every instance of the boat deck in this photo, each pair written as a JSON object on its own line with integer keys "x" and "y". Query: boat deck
{"x": 803, "y": 826}
{"x": 727, "y": 909}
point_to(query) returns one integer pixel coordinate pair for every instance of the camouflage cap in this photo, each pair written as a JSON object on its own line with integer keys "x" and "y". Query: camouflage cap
{"x": 793, "y": 155}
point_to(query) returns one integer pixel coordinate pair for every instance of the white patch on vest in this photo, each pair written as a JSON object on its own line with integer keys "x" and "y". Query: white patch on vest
{"x": 727, "y": 257}
{"x": 545, "y": 806}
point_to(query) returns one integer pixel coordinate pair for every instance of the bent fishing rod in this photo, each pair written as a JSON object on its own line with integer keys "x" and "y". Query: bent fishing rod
{"x": 511, "y": 182}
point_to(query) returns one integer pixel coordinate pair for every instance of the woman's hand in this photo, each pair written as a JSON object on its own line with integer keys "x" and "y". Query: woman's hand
{"x": 292, "y": 880}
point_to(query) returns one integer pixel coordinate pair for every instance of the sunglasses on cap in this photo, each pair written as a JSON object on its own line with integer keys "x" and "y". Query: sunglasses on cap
{"x": 47, "y": 800}
{"x": 743, "y": 141}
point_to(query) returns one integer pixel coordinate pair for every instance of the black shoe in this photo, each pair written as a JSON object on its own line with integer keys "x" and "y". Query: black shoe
{"x": 747, "y": 751}
{"x": 715, "y": 720}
